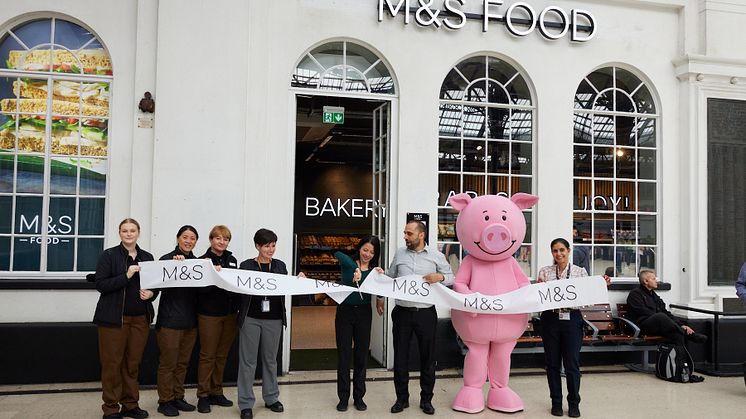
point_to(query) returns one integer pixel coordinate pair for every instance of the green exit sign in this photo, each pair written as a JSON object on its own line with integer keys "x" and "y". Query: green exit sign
{"x": 334, "y": 115}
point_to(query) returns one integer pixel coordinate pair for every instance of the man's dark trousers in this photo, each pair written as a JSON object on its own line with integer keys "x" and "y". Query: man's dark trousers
{"x": 422, "y": 323}
{"x": 661, "y": 324}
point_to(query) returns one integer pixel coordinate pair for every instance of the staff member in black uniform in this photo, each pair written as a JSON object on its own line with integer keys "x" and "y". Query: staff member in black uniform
{"x": 562, "y": 333}
{"x": 352, "y": 322}
{"x": 216, "y": 316}
{"x": 123, "y": 316}
{"x": 176, "y": 328}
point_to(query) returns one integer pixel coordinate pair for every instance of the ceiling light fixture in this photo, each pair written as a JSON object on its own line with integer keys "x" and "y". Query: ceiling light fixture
{"x": 326, "y": 140}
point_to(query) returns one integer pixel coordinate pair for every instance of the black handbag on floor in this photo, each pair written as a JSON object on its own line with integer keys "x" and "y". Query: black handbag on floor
{"x": 674, "y": 363}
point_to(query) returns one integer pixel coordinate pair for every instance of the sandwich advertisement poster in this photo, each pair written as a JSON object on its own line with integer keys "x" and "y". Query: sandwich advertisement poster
{"x": 55, "y": 79}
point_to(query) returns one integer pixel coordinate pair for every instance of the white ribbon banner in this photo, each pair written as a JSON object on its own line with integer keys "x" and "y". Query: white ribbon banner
{"x": 541, "y": 296}
{"x": 571, "y": 292}
{"x": 201, "y": 273}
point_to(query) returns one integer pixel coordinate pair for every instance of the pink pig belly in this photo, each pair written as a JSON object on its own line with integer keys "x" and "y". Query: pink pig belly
{"x": 485, "y": 328}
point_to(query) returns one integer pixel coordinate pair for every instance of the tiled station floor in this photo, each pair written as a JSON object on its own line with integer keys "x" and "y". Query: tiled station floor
{"x": 608, "y": 392}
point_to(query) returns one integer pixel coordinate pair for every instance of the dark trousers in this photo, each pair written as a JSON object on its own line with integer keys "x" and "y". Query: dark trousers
{"x": 662, "y": 325}
{"x": 175, "y": 351}
{"x": 216, "y": 335}
{"x": 352, "y": 326}
{"x": 422, "y": 323}
{"x": 562, "y": 340}
{"x": 120, "y": 351}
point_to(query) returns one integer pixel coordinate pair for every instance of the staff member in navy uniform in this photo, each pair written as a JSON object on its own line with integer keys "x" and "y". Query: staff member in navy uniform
{"x": 417, "y": 319}
{"x": 562, "y": 333}
{"x": 216, "y": 316}
{"x": 176, "y": 328}
{"x": 123, "y": 315}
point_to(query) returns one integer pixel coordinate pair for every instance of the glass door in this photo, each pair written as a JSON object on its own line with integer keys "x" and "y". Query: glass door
{"x": 379, "y": 226}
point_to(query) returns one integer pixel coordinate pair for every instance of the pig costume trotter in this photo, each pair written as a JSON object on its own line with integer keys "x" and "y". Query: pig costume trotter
{"x": 491, "y": 228}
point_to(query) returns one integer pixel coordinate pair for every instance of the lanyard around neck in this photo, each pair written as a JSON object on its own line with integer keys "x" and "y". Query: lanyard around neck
{"x": 269, "y": 270}
{"x": 557, "y": 272}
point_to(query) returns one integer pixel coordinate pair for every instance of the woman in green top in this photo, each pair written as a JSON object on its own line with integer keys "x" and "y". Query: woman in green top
{"x": 352, "y": 323}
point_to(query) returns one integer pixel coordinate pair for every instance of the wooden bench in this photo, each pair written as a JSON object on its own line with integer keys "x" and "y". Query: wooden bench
{"x": 646, "y": 343}
{"x": 622, "y": 310}
{"x": 604, "y": 327}
{"x": 604, "y": 332}
{"x": 530, "y": 340}
{"x": 530, "y": 336}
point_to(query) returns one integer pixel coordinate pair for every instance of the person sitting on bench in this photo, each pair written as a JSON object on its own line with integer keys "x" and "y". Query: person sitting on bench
{"x": 647, "y": 310}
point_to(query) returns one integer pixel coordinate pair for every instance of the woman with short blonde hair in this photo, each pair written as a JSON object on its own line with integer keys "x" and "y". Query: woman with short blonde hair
{"x": 216, "y": 318}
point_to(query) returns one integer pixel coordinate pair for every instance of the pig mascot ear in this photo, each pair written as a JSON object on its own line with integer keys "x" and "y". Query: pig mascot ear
{"x": 524, "y": 200}
{"x": 460, "y": 201}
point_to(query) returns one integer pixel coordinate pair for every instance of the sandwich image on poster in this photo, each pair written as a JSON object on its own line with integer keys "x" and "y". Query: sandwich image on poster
{"x": 78, "y": 120}
{"x": 72, "y": 125}
{"x": 87, "y": 61}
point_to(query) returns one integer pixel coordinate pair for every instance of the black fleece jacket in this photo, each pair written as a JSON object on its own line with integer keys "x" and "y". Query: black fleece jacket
{"x": 214, "y": 301}
{"x": 643, "y": 303}
{"x": 112, "y": 283}
{"x": 178, "y": 306}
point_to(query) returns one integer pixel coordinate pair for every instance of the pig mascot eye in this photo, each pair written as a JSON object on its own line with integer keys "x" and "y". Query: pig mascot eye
{"x": 486, "y": 218}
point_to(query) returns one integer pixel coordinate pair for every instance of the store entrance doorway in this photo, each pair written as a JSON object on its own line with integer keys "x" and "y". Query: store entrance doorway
{"x": 341, "y": 191}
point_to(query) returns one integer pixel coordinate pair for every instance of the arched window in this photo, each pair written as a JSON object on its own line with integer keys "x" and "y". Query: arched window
{"x": 486, "y": 143}
{"x": 615, "y": 172}
{"x": 55, "y": 80}
{"x": 343, "y": 66}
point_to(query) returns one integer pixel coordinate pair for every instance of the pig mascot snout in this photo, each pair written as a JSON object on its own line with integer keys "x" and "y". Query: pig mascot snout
{"x": 491, "y": 229}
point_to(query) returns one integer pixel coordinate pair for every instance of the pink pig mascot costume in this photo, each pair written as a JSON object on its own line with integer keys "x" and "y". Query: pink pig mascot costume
{"x": 491, "y": 228}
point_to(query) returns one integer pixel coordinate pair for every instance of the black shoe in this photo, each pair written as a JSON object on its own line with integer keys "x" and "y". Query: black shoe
{"x": 112, "y": 416}
{"x": 342, "y": 406}
{"x": 220, "y": 400}
{"x": 696, "y": 378}
{"x": 168, "y": 409}
{"x": 276, "y": 407}
{"x": 573, "y": 411}
{"x": 557, "y": 410}
{"x": 182, "y": 405}
{"x": 399, "y": 406}
{"x": 136, "y": 413}
{"x": 698, "y": 338}
{"x": 203, "y": 404}
{"x": 427, "y": 407}
{"x": 360, "y": 405}
{"x": 247, "y": 414}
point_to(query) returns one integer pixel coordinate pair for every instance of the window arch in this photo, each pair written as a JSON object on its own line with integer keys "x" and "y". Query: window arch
{"x": 485, "y": 142}
{"x": 343, "y": 66}
{"x": 55, "y": 80}
{"x": 615, "y": 209}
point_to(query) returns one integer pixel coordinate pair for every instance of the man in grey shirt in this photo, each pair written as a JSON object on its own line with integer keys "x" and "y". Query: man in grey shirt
{"x": 416, "y": 318}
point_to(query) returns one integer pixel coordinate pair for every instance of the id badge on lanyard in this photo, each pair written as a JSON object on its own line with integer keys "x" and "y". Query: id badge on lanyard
{"x": 265, "y": 306}
{"x": 563, "y": 315}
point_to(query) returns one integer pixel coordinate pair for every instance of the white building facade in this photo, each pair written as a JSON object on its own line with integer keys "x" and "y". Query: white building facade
{"x": 610, "y": 130}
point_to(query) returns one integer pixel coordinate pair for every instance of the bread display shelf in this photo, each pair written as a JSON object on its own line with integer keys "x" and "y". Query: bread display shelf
{"x": 316, "y": 253}
{"x": 328, "y": 242}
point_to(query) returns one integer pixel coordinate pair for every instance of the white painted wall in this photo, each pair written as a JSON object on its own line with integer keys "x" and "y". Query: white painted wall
{"x": 222, "y": 150}
{"x": 200, "y": 126}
